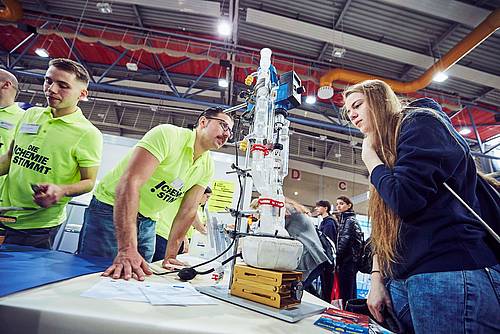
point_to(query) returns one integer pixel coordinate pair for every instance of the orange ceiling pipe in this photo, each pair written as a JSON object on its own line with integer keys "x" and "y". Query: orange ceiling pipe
{"x": 12, "y": 10}
{"x": 476, "y": 37}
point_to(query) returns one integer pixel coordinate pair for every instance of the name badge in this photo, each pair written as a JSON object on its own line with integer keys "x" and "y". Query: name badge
{"x": 31, "y": 129}
{"x": 177, "y": 184}
{"x": 6, "y": 125}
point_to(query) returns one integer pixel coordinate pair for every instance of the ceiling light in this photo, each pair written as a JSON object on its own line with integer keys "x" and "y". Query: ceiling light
{"x": 296, "y": 193}
{"x": 132, "y": 67}
{"x": 465, "y": 131}
{"x": 104, "y": 7}
{"x": 224, "y": 28}
{"x": 223, "y": 83}
{"x": 41, "y": 52}
{"x": 311, "y": 99}
{"x": 440, "y": 77}
{"x": 338, "y": 52}
{"x": 325, "y": 92}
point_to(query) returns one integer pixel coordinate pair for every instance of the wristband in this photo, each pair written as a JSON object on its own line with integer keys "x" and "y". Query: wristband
{"x": 375, "y": 271}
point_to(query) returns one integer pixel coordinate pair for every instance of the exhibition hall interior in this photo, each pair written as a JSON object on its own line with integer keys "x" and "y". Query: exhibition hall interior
{"x": 273, "y": 166}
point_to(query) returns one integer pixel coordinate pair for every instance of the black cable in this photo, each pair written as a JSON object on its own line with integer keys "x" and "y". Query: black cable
{"x": 187, "y": 274}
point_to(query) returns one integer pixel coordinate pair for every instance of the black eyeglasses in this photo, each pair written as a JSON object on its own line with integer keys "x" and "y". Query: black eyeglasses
{"x": 223, "y": 124}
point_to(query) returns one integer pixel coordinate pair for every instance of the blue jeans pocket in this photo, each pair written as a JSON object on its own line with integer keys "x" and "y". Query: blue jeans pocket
{"x": 494, "y": 276}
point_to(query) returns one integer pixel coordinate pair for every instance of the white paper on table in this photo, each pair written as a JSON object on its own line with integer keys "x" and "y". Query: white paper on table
{"x": 108, "y": 288}
{"x": 174, "y": 294}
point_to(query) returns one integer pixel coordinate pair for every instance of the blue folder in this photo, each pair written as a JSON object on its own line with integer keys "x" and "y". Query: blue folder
{"x": 23, "y": 267}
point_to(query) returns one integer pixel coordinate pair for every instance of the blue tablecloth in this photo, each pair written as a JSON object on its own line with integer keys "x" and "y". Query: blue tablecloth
{"x": 23, "y": 267}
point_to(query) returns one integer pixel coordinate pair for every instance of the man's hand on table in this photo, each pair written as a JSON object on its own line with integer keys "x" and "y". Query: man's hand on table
{"x": 173, "y": 263}
{"x": 128, "y": 264}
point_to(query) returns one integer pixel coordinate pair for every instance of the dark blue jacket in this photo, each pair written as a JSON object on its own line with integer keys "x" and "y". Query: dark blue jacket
{"x": 328, "y": 227}
{"x": 437, "y": 233}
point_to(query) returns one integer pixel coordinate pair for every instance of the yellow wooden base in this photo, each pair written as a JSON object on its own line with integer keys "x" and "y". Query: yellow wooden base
{"x": 268, "y": 287}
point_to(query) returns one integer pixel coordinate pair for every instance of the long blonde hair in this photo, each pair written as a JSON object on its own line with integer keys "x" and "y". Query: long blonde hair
{"x": 385, "y": 113}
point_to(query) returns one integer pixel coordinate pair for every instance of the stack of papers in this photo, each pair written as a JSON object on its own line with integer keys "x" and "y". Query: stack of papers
{"x": 147, "y": 292}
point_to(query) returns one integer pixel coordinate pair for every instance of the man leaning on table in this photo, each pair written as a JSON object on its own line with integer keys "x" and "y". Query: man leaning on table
{"x": 169, "y": 168}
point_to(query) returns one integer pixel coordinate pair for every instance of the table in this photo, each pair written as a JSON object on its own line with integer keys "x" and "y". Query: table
{"x": 58, "y": 308}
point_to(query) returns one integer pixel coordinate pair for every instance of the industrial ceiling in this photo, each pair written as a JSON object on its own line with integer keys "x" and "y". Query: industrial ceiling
{"x": 180, "y": 59}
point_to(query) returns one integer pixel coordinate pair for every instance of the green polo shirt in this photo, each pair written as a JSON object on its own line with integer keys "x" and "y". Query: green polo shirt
{"x": 9, "y": 117}
{"x": 176, "y": 173}
{"x": 48, "y": 150}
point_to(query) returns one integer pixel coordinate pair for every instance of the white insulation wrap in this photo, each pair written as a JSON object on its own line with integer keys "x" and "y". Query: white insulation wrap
{"x": 272, "y": 253}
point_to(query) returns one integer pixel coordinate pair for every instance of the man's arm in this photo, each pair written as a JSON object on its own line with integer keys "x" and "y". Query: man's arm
{"x": 5, "y": 160}
{"x": 182, "y": 221}
{"x": 128, "y": 262}
{"x": 199, "y": 226}
{"x": 48, "y": 194}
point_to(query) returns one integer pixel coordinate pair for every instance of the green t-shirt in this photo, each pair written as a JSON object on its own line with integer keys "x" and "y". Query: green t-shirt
{"x": 48, "y": 150}
{"x": 164, "y": 223}
{"x": 173, "y": 147}
{"x": 9, "y": 117}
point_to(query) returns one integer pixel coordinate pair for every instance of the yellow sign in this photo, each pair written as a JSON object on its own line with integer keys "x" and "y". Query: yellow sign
{"x": 222, "y": 196}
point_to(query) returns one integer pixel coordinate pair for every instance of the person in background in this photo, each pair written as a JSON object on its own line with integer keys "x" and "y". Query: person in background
{"x": 328, "y": 227}
{"x": 200, "y": 223}
{"x": 10, "y": 114}
{"x": 347, "y": 226}
{"x": 313, "y": 258}
{"x": 55, "y": 154}
{"x": 433, "y": 262}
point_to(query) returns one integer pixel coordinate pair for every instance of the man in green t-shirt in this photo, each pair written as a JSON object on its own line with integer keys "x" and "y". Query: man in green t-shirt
{"x": 55, "y": 153}
{"x": 10, "y": 113}
{"x": 168, "y": 170}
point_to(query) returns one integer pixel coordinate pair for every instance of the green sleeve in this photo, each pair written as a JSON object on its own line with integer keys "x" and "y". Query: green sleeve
{"x": 159, "y": 141}
{"x": 88, "y": 151}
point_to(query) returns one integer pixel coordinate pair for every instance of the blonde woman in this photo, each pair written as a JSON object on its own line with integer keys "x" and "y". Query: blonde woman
{"x": 432, "y": 264}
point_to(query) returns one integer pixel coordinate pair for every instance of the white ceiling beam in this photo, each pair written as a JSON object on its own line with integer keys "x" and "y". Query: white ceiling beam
{"x": 456, "y": 11}
{"x": 348, "y": 41}
{"x": 200, "y": 7}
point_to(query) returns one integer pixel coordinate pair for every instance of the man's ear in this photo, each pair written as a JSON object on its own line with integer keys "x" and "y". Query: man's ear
{"x": 202, "y": 122}
{"x": 83, "y": 94}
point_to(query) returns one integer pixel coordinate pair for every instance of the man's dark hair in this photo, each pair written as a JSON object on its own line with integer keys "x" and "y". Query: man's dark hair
{"x": 347, "y": 200}
{"x": 325, "y": 204}
{"x": 71, "y": 66}
{"x": 210, "y": 112}
{"x": 208, "y": 190}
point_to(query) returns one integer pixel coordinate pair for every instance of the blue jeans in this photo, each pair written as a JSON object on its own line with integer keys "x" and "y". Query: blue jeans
{"x": 37, "y": 237}
{"x": 161, "y": 248}
{"x": 98, "y": 238}
{"x": 466, "y": 301}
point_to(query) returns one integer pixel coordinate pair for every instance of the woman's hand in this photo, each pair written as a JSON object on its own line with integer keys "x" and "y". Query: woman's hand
{"x": 369, "y": 155}
{"x": 378, "y": 297}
